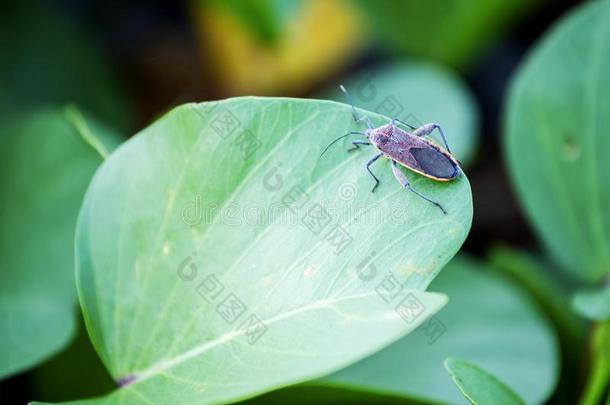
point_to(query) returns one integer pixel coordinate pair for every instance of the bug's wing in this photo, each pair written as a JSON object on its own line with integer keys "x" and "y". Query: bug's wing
{"x": 434, "y": 162}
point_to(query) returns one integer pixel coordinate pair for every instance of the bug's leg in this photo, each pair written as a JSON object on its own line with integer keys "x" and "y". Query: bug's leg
{"x": 402, "y": 179}
{"x": 427, "y": 129}
{"x": 368, "y": 167}
{"x": 357, "y": 145}
{"x": 394, "y": 120}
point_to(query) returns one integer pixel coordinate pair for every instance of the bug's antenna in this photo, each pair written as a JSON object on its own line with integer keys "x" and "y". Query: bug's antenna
{"x": 349, "y": 99}
{"x": 341, "y": 137}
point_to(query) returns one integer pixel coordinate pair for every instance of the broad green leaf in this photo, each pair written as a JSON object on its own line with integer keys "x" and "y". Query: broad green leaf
{"x": 48, "y": 58}
{"x": 479, "y": 386}
{"x": 558, "y": 115}
{"x": 593, "y": 304}
{"x": 229, "y": 203}
{"x": 46, "y": 162}
{"x": 453, "y": 32}
{"x": 487, "y": 320}
{"x": 418, "y": 93}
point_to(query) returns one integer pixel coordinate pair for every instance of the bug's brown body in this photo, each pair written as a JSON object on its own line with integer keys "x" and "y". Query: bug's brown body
{"x": 417, "y": 154}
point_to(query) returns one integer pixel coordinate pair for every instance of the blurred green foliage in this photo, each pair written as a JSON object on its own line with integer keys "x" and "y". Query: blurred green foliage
{"x": 48, "y": 59}
{"x": 453, "y": 32}
{"x": 75, "y": 373}
{"x": 46, "y": 162}
{"x": 593, "y": 304}
{"x": 557, "y": 118}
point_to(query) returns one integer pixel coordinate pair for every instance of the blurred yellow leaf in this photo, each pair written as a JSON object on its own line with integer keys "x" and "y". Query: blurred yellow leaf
{"x": 320, "y": 39}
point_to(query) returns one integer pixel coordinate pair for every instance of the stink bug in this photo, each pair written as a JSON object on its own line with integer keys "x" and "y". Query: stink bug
{"x": 408, "y": 149}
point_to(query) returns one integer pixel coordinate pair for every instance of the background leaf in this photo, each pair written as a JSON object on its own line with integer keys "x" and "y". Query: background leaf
{"x": 306, "y": 53}
{"x": 532, "y": 274}
{"x": 45, "y": 166}
{"x": 556, "y": 140}
{"x": 536, "y": 275}
{"x": 447, "y": 31}
{"x": 478, "y": 386}
{"x": 418, "y": 93}
{"x": 159, "y": 332}
{"x": 593, "y": 304}
{"x": 487, "y": 320}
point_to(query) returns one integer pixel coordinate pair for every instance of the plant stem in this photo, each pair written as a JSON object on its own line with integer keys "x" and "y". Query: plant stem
{"x": 599, "y": 377}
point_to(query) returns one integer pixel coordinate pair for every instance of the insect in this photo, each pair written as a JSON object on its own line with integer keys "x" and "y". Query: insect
{"x": 409, "y": 149}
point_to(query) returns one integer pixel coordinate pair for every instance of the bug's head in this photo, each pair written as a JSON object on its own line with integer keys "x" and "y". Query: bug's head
{"x": 381, "y": 135}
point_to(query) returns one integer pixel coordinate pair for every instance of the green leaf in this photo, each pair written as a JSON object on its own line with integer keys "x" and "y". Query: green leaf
{"x": 593, "y": 304}
{"x": 452, "y": 32}
{"x": 556, "y": 142}
{"x": 45, "y": 166}
{"x": 487, "y": 320}
{"x": 163, "y": 246}
{"x": 47, "y": 58}
{"x": 479, "y": 386}
{"x": 418, "y": 93}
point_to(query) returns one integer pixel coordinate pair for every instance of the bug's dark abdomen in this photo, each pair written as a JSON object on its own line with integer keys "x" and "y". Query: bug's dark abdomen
{"x": 434, "y": 163}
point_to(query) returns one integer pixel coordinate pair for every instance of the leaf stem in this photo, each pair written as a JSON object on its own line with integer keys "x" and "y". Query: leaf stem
{"x": 599, "y": 377}
{"x": 74, "y": 116}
